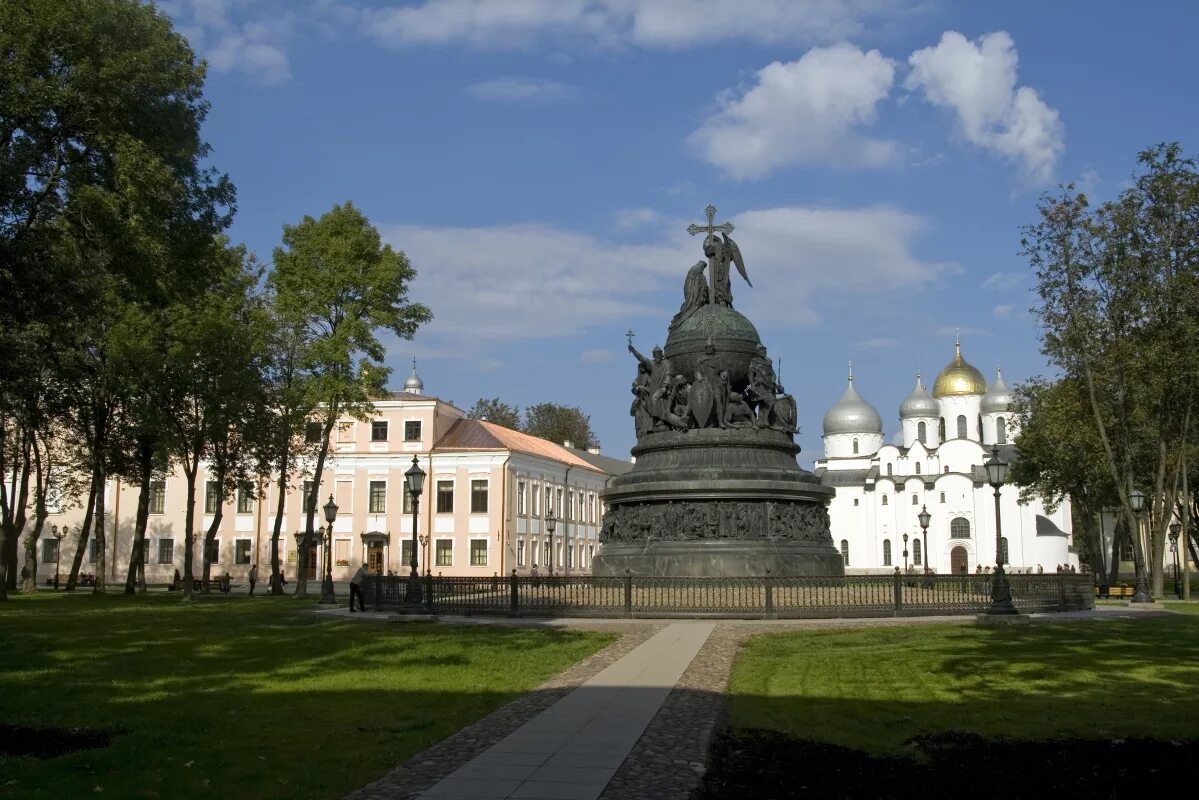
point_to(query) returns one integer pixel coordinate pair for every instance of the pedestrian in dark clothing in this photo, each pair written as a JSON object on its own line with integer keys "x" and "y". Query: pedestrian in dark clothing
{"x": 356, "y": 589}
{"x": 253, "y": 578}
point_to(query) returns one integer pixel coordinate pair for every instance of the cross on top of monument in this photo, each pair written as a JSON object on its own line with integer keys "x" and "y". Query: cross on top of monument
{"x": 711, "y": 227}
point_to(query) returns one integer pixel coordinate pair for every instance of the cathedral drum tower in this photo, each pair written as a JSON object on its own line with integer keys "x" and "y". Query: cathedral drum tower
{"x": 715, "y": 490}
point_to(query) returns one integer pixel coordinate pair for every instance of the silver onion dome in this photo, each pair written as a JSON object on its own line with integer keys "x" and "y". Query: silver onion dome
{"x": 919, "y": 403}
{"x": 852, "y": 414}
{"x": 998, "y": 397}
{"x": 414, "y": 384}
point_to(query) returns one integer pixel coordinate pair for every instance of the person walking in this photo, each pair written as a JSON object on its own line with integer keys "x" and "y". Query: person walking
{"x": 226, "y": 580}
{"x": 253, "y": 578}
{"x": 356, "y": 589}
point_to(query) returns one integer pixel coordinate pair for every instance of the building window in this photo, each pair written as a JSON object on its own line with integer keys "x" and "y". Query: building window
{"x": 312, "y": 433}
{"x": 855, "y": 447}
{"x": 570, "y": 504}
{"x": 406, "y": 553}
{"x": 341, "y": 552}
{"x": 889, "y": 468}
{"x": 942, "y": 497}
{"x": 245, "y": 499}
{"x": 92, "y": 551}
{"x": 166, "y": 551}
{"x": 407, "y": 505}
{"x": 916, "y": 552}
{"x": 915, "y": 499}
{"x": 549, "y": 500}
{"x": 308, "y": 499}
{"x": 1003, "y": 552}
{"x": 947, "y": 470}
{"x": 158, "y": 496}
{"x": 941, "y": 429}
{"x": 559, "y": 506}
{"x": 570, "y": 556}
{"x": 379, "y": 430}
{"x": 445, "y": 553}
{"x": 212, "y": 551}
{"x": 478, "y": 552}
{"x": 855, "y": 501}
{"x": 961, "y": 426}
{"x": 345, "y": 432}
{"x": 886, "y": 498}
{"x": 545, "y": 554}
{"x": 212, "y": 496}
{"x": 590, "y": 553}
{"x": 377, "y": 502}
{"x": 917, "y": 467}
{"x": 591, "y": 511}
{"x": 241, "y": 551}
{"x": 478, "y": 497}
{"x": 886, "y": 552}
{"x": 49, "y": 550}
{"x": 845, "y": 551}
{"x": 412, "y": 430}
{"x": 535, "y": 494}
{"x": 520, "y": 498}
{"x": 520, "y": 552}
{"x": 921, "y": 432}
{"x": 1001, "y": 430}
{"x": 959, "y": 528}
{"x": 445, "y": 497}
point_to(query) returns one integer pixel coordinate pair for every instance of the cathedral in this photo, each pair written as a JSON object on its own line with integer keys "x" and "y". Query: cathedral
{"x": 936, "y": 467}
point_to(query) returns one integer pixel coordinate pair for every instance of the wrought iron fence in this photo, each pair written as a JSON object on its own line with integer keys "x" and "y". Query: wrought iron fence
{"x": 769, "y": 597}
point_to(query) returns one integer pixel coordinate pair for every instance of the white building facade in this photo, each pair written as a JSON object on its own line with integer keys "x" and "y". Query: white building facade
{"x": 944, "y": 438}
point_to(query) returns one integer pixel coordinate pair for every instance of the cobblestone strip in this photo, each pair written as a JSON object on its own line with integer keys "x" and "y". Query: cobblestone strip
{"x": 669, "y": 759}
{"x": 429, "y": 766}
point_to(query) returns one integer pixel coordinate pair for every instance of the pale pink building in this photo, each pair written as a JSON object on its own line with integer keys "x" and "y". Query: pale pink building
{"x": 487, "y": 491}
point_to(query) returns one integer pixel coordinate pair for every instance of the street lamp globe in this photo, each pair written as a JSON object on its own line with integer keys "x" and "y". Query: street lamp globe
{"x": 1175, "y": 531}
{"x": 996, "y": 468}
{"x": 415, "y": 477}
{"x": 924, "y": 517}
{"x": 328, "y": 597}
{"x": 550, "y": 523}
{"x": 330, "y": 511}
{"x": 1136, "y": 499}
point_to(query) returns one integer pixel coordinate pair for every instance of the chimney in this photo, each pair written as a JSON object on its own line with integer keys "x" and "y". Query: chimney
{"x": 568, "y": 444}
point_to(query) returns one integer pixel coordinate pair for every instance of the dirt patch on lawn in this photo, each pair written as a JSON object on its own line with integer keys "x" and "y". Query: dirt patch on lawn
{"x": 17, "y": 740}
{"x": 765, "y": 765}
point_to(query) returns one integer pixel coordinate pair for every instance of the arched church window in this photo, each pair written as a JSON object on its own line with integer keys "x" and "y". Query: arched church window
{"x": 916, "y": 552}
{"x": 845, "y": 551}
{"x": 980, "y": 427}
{"x": 1003, "y": 550}
{"x": 942, "y": 497}
{"x": 886, "y": 552}
{"x": 888, "y": 467}
{"x": 946, "y": 470}
{"x": 915, "y": 499}
{"x": 1001, "y": 430}
{"x": 855, "y": 447}
{"x": 941, "y": 429}
{"x": 921, "y": 432}
{"x": 961, "y": 426}
{"x": 917, "y": 467}
{"x": 959, "y": 528}
{"x": 885, "y": 498}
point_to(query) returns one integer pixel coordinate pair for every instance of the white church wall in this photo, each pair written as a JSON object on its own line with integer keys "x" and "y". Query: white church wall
{"x": 966, "y": 406}
{"x": 841, "y": 445}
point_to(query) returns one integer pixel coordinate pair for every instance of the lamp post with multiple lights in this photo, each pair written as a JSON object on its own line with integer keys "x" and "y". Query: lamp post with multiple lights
{"x": 1001, "y": 590}
{"x": 327, "y": 595}
{"x": 905, "y": 552}
{"x": 550, "y": 523}
{"x": 1136, "y": 499}
{"x": 924, "y": 518}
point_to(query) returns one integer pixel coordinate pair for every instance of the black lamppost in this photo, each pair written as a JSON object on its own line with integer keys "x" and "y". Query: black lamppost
{"x": 1175, "y": 530}
{"x": 924, "y": 518}
{"x": 424, "y": 549}
{"x": 327, "y": 595}
{"x": 905, "y": 552}
{"x": 1136, "y": 499}
{"x": 550, "y": 522}
{"x": 1001, "y": 590}
{"x": 415, "y": 477}
{"x": 58, "y": 534}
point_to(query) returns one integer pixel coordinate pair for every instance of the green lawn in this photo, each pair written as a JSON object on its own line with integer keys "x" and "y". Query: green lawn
{"x": 873, "y": 689}
{"x": 246, "y": 698}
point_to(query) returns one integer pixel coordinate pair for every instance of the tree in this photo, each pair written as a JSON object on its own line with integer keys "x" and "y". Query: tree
{"x": 339, "y": 285}
{"x": 1118, "y": 291}
{"x": 496, "y": 411}
{"x": 559, "y": 424}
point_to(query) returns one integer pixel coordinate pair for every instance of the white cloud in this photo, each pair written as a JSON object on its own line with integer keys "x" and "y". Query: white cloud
{"x": 801, "y": 111}
{"x": 1088, "y": 180}
{"x": 629, "y": 218}
{"x": 595, "y": 356}
{"x": 243, "y": 37}
{"x": 521, "y": 90}
{"x": 645, "y": 23}
{"x": 877, "y": 344}
{"x": 977, "y": 81}
{"x": 492, "y": 285}
{"x": 1003, "y": 280}
{"x": 1003, "y": 310}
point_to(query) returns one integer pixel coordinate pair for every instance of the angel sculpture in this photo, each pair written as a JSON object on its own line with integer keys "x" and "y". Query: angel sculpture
{"x": 721, "y": 252}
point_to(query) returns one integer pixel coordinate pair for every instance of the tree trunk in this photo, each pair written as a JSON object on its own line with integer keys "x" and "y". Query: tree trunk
{"x": 276, "y": 573}
{"x": 210, "y": 534}
{"x": 190, "y": 469}
{"x": 101, "y": 537}
{"x": 312, "y": 500}
{"x": 1113, "y": 568}
{"x": 85, "y": 531}
{"x": 41, "y": 485}
{"x": 16, "y": 500}
{"x": 137, "y": 559}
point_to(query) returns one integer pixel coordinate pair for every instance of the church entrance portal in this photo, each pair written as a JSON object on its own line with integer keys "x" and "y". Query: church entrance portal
{"x": 959, "y": 562}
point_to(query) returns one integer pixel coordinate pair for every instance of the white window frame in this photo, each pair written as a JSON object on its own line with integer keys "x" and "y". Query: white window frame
{"x": 486, "y": 550}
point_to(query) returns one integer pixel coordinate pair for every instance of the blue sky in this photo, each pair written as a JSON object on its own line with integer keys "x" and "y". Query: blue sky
{"x": 539, "y": 161}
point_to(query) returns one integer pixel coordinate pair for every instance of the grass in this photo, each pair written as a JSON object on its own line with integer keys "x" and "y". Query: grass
{"x": 247, "y": 698}
{"x": 873, "y": 689}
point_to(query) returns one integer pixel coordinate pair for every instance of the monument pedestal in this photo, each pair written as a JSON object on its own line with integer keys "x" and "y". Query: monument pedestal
{"x": 718, "y": 559}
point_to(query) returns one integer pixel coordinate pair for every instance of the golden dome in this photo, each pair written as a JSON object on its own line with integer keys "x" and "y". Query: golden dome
{"x": 959, "y": 378}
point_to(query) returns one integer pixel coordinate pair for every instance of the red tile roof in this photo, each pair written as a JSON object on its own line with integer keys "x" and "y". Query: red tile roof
{"x": 476, "y": 434}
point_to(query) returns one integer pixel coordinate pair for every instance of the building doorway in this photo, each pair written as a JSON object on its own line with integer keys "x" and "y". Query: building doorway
{"x": 312, "y": 551}
{"x": 374, "y": 558}
{"x": 959, "y": 561}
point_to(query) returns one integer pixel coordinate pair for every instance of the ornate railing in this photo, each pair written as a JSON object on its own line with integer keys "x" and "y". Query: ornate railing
{"x": 769, "y": 597}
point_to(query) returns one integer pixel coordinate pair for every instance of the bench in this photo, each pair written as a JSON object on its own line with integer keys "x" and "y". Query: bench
{"x": 1122, "y": 590}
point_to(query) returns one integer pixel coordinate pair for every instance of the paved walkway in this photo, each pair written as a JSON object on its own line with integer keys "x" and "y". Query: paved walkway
{"x": 571, "y": 750}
